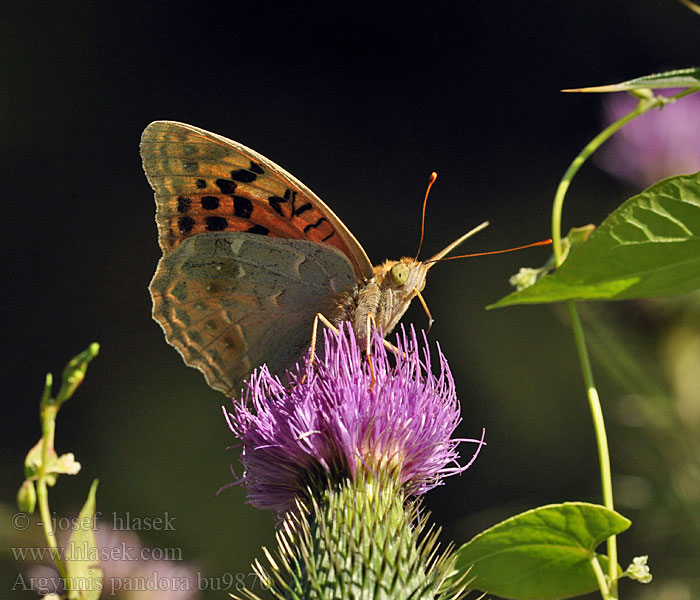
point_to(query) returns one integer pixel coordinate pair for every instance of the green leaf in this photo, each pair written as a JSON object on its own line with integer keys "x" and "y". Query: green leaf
{"x": 649, "y": 246}
{"x": 541, "y": 554}
{"x": 679, "y": 78}
{"x": 83, "y": 555}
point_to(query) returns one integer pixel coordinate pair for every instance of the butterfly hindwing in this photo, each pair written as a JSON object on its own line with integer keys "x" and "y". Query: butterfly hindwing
{"x": 230, "y": 301}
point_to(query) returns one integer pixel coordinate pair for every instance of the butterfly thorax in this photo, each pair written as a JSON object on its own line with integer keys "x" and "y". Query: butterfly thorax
{"x": 385, "y": 297}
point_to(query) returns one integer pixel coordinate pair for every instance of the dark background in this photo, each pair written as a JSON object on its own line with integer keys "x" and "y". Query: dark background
{"x": 361, "y": 102}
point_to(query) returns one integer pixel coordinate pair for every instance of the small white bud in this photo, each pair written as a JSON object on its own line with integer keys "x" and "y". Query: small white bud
{"x": 639, "y": 570}
{"x": 525, "y": 278}
{"x": 67, "y": 464}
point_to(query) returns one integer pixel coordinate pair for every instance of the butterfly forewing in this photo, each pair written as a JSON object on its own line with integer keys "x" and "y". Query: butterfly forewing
{"x": 207, "y": 183}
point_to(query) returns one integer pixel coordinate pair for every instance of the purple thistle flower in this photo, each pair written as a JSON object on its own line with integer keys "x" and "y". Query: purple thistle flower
{"x": 332, "y": 421}
{"x": 659, "y": 144}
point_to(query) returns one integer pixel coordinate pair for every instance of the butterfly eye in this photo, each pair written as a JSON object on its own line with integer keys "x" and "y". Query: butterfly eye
{"x": 399, "y": 273}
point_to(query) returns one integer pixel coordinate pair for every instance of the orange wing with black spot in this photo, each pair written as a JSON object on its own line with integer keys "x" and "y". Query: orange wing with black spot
{"x": 204, "y": 182}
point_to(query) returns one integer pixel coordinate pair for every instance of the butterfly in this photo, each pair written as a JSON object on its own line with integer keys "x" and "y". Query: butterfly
{"x": 251, "y": 256}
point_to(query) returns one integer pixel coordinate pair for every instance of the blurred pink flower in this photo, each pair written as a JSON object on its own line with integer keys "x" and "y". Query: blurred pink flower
{"x": 132, "y": 571}
{"x": 659, "y": 144}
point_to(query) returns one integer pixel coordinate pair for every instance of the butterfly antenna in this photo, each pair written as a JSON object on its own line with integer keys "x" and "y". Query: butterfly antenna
{"x": 443, "y": 257}
{"x": 456, "y": 243}
{"x": 431, "y": 181}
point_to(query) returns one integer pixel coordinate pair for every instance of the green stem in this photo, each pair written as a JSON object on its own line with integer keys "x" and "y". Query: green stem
{"x": 43, "y": 500}
{"x": 600, "y": 576}
{"x": 48, "y": 429}
{"x": 646, "y": 103}
{"x": 575, "y": 165}
{"x": 601, "y": 438}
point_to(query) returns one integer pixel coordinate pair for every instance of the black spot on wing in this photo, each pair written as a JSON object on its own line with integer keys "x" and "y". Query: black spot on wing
{"x": 303, "y": 208}
{"x": 183, "y": 204}
{"x": 201, "y": 184}
{"x": 276, "y": 203}
{"x": 290, "y": 195}
{"x": 256, "y": 168}
{"x": 243, "y": 175}
{"x": 185, "y": 224}
{"x": 226, "y": 186}
{"x": 215, "y": 223}
{"x": 314, "y": 225}
{"x": 242, "y": 207}
{"x": 328, "y": 237}
{"x": 259, "y": 229}
{"x": 210, "y": 202}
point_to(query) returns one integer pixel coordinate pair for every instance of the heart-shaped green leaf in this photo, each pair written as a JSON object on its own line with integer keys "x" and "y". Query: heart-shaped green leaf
{"x": 679, "y": 78}
{"x": 649, "y": 246}
{"x": 541, "y": 554}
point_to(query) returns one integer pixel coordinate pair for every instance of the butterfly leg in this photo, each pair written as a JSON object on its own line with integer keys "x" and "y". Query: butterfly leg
{"x": 389, "y": 346}
{"x": 320, "y": 317}
{"x": 314, "y": 334}
{"x": 427, "y": 311}
{"x": 368, "y": 349}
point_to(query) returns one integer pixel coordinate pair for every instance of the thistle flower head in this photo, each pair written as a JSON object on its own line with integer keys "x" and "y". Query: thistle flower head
{"x": 344, "y": 415}
{"x": 658, "y": 144}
